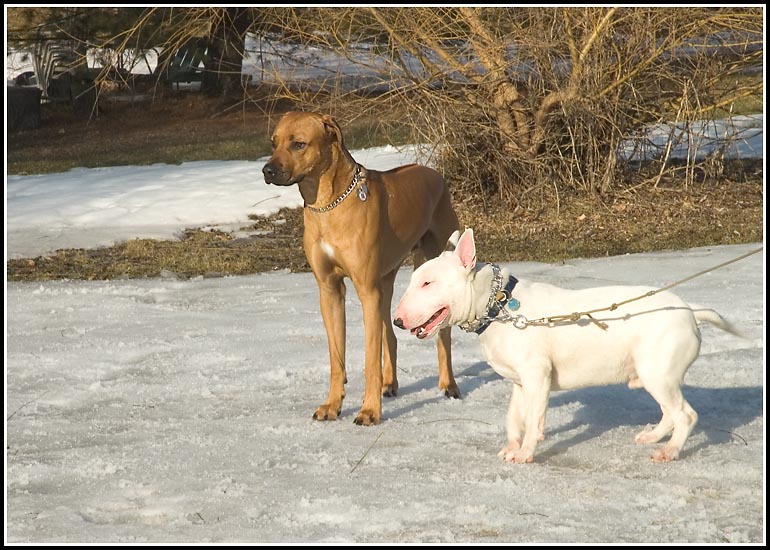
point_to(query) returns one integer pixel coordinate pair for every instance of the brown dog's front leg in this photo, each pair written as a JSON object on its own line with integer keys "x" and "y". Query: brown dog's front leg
{"x": 333, "y": 312}
{"x": 371, "y": 410}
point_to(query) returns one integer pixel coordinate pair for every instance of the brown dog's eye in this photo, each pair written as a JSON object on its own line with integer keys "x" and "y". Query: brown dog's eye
{"x": 298, "y": 145}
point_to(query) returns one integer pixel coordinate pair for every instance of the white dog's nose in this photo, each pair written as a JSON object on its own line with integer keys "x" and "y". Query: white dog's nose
{"x": 398, "y": 322}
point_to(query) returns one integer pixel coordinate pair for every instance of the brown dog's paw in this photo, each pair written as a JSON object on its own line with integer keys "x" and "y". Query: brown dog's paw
{"x": 452, "y": 391}
{"x": 327, "y": 412}
{"x": 391, "y": 390}
{"x": 367, "y": 418}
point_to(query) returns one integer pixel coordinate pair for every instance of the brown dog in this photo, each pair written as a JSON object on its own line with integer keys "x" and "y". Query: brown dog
{"x": 361, "y": 224}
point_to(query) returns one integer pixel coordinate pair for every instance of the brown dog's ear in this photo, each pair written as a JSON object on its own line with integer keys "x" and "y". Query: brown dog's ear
{"x": 333, "y": 129}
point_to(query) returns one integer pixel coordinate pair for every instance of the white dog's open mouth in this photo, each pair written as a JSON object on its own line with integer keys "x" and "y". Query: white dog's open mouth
{"x": 429, "y": 327}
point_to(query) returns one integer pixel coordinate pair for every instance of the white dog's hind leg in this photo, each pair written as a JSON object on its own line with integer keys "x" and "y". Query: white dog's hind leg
{"x": 683, "y": 425}
{"x": 657, "y": 433}
{"x": 677, "y": 412}
{"x": 661, "y": 370}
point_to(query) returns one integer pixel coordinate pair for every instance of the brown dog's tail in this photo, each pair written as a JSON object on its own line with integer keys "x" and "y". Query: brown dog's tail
{"x": 704, "y": 315}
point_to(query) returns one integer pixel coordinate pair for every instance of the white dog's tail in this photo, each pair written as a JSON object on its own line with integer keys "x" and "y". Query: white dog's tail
{"x": 704, "y": 315}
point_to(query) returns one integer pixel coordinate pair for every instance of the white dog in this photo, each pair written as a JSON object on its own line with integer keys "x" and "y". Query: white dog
{"x": 647, "y": 343}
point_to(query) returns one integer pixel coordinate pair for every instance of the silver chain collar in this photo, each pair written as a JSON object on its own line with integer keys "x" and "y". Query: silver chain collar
{"x": 358, "y": 177}
{"x": 498, "y": 299}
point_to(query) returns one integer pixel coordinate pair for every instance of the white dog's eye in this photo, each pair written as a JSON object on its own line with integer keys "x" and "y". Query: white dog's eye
{"x": 426, "y": 283}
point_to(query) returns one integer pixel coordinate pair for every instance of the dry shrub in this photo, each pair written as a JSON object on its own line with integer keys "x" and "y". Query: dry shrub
{"x": 516, "y": 103}
{"x": 535, "y": 102}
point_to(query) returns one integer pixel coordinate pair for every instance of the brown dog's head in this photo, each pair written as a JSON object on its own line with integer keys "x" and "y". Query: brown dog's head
{"x": 303, "y": 148}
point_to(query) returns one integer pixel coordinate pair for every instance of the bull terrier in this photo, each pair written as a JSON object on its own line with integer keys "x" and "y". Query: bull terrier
{"x": 648, "y": 343}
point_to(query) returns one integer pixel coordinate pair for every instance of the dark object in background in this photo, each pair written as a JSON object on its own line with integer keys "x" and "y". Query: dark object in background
{"x": 23, "y": 107}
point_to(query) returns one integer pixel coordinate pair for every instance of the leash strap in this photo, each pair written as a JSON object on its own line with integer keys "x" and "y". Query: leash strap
{"x": 522, "y": 322}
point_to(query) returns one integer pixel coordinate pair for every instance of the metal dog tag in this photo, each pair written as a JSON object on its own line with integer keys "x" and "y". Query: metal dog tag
{"x": 363, "y": 192}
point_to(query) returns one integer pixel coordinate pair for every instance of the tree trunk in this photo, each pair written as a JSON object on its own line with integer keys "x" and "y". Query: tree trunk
{"x": 227, "y": 43}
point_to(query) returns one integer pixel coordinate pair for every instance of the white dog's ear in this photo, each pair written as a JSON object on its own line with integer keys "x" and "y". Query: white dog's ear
{"x": 451, "y": 244}
{"x": 466, "y": 250}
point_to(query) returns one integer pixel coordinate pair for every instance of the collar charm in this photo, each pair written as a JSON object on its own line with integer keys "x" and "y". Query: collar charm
{"x": 363, "y": 192}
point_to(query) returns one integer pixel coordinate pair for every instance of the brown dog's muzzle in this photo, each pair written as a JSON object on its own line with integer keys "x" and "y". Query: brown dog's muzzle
{"x": 275, "y": 176}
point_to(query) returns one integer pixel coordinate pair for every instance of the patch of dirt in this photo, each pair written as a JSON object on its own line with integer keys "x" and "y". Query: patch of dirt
{"x": 640, "y": 220}
{"x": 170, "y": 127}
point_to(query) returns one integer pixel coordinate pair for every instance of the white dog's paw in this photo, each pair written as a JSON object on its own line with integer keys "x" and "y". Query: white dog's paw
{"x": 646, "y": 437}
{"x": 509, "y": 449}
{"x": 522, "y": 456}
{"x": 666, "y": 454}
{"x": 514, "y": 453}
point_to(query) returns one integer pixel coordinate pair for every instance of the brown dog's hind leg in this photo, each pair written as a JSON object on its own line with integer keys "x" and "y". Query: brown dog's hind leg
{"x": 390, "y": 344}
{"x": 446, "y": 380}
{"x": 444, "y": 223}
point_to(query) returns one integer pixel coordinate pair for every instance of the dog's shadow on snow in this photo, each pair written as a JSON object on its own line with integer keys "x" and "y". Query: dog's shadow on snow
{"x": 468, "y": 380}
{"x": 721, "y": 414}
{"x": 721, "y": 411}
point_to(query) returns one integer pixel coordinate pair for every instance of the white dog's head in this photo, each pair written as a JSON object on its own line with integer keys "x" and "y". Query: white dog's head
{"x": 438, "y": 292}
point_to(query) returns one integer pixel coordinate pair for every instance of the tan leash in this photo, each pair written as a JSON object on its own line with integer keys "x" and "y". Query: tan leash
{"x": 519, "y": 321}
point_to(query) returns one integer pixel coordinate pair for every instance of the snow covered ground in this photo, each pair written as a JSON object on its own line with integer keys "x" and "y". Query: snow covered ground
{"x": 741, "y": 136}
{"x": 89, "y": 207}
{"x": 164, "y": 410}
{"x": 180, "y": 411}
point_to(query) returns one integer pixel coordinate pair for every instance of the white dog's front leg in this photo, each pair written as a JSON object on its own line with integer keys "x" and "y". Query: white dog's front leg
{"x": 535, "y": 389}
{"x": 514, "y": 424}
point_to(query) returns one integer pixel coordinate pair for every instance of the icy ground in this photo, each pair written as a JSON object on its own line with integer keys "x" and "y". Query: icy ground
{"x": 180, "y": 411}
